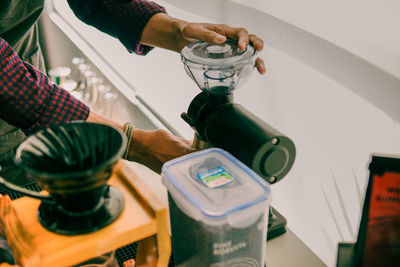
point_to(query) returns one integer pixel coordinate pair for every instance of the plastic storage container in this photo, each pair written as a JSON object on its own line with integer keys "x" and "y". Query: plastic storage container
{"x": 218, "y": 210}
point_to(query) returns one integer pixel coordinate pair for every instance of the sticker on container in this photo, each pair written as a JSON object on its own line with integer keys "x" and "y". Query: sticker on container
{"x": 215, "y": 177}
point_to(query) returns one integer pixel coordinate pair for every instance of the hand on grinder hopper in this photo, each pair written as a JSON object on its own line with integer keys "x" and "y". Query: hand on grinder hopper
{"x": 170, "y": 33}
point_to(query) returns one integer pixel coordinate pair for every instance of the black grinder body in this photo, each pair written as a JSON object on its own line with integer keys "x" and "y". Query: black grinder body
{"x": 221, "y": 123}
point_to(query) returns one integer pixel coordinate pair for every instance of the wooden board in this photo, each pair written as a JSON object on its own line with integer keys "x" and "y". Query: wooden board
{"x": 144, "y": 215}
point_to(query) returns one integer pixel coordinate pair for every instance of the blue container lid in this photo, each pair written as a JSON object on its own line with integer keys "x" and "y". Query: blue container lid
{"x": 214, "y": 182}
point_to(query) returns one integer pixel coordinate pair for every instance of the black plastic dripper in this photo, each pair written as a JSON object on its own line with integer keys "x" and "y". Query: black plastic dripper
{"x": 73, "y": 162}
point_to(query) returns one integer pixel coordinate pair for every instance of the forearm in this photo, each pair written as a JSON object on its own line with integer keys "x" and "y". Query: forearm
{"x": 123, "y": 19}
{"x": 150, "y": 148}
{"x": 164, "y": 31}
{"x": 140, "y": 137}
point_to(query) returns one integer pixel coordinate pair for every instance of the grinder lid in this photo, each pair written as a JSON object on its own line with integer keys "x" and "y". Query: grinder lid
{"x": 228, "y": 54}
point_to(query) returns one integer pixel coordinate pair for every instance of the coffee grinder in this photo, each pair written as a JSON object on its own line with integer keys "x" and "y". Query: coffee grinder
{"x": 218, "y": 70}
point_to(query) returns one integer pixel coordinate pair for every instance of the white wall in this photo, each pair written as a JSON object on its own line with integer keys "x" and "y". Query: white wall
{"x": 333, "y": 86}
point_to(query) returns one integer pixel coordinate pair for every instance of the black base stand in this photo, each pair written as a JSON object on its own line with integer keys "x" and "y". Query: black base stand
{"x": 276, "y": 224}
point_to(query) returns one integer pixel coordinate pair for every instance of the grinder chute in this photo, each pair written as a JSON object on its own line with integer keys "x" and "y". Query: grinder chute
{"x": 219, "y": 69}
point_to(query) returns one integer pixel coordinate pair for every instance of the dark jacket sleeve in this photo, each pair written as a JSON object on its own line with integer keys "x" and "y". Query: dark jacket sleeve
{"x": 122, "y": 19}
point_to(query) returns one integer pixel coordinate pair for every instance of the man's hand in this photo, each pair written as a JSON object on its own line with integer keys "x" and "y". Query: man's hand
{"x": 174, "y": 34}
{"x": 150, "y": 148}
{"x": 153, "y": 148}
{"x": 217, "y": 33}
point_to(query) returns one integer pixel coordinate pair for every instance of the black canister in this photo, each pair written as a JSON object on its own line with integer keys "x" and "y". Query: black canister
{"x": 218, "y": 210}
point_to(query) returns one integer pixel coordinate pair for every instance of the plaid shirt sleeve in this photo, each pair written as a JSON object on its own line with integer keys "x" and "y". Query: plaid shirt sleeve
{"x": 123, "y": 19}
{"x": 29, "y": 100}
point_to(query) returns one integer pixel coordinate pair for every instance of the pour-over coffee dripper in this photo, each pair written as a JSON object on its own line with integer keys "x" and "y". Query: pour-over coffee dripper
{"x": 218, "y": 70}
{"x": 73, "y": 162}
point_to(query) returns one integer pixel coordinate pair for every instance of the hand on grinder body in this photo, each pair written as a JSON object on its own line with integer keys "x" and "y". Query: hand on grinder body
{"x": 150, "y": 148}
{"x": 153, "y": 148}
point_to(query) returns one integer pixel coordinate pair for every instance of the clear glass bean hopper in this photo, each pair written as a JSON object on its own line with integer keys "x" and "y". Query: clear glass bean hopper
{"x": 218, "y": 68}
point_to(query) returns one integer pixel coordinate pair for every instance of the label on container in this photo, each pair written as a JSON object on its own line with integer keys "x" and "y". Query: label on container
{"x": 215, "y": 177}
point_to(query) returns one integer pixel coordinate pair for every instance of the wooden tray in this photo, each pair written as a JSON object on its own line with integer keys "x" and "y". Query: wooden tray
{"x": 143, "y": 219}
